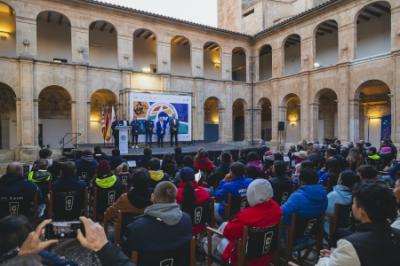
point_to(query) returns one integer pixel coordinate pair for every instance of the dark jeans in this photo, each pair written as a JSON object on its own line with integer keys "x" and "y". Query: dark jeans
{"x": 116, "y": 141}
{"x": 135, "y": 138}
{"x": 174, "y": 135}
{"x": 160, "y": 141}
{"x": 149, "y": 138}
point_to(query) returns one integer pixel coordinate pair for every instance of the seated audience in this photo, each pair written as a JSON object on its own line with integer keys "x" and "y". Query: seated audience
{"x": 234, "y": 183}
{"x": 86, "y": 166}
{"x": 54, "y": 167}
{"x": 263, "y": 212}
{"x": 280, "y": 182}
{"x": 145, "y": 159}
{"x": 99, "y": 155}
{"x": 373, "y": 158}
{"x": 309, "y": 200}
{"x": 254, "y": 166}
{"x": 13, "y": 184}
{"x": 178, "y": 156}
{"x": 396, "y": 192}
{"x": 108, "y": 185}
{"x": 367, "y": 173}
{"x": 122, "y": 172}
{"x": 191, "y": 194}
{"x": 341, "y": 194}
{"x": 41, "y": 177}
{"x": 156, "y": 174}
{"x": 163, "y": 227}
{"x": 169, "y": 165}
{"x": 116, "y": 159}
{"x": 70, "y": 183}
{"x": 136, "y": 199}
{"x": 331, "y": 173}
{"x": 202, "y": 162}
{"x": 373, "y": 242}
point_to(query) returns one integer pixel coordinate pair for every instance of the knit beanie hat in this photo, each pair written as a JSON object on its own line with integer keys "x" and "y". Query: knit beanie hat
{"x": 186, "y": 174}
{"x": 103, "y": 168}
{"x": 259, "y": 191}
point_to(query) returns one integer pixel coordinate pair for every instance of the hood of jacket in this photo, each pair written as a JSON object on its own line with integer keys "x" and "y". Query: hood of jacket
{"x": 343, "y": 192}
{"x": 106, "y": 182}
{"x": 168, "y": 213}
{"x": 374, "y": 157}
{"x": 314, "y": 192}
{"x": 156, "y": 175}
{"x": 39, "y": 176}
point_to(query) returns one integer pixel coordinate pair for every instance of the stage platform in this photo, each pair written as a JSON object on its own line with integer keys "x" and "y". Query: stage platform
{"x": 187, "y": 148}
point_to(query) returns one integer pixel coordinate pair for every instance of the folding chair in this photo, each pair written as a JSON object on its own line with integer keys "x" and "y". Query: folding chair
{"x": 341, "y": 218}
{"x": 185, "y": 256}
{"x": 122, "y": 220}
{"x": 20, "y": 205}
{"x": 233, "y": 205}
{"x": 102, "y": 199}
{"x": 68, "y": 205}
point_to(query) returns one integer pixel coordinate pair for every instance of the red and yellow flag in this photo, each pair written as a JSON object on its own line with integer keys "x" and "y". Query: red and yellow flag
{"x": 106, "y": 123}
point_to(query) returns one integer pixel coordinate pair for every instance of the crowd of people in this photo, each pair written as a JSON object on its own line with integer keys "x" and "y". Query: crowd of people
{"x": 271, "y": 188}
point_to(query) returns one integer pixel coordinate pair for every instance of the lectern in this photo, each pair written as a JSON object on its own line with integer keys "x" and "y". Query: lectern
{"x": 123, "y": 138}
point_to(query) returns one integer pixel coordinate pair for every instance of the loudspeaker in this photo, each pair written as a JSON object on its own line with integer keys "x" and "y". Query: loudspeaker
{"x": 281, "y": 126}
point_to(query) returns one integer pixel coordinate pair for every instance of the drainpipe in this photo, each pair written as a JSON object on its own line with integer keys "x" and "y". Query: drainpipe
{"x": 252, "y": 65}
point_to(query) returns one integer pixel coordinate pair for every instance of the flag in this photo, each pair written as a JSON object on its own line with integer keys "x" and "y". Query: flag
{"x": 106, "y": 124}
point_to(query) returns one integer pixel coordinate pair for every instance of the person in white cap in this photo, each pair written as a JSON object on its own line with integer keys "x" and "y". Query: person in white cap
{"x": 263, "y": 212}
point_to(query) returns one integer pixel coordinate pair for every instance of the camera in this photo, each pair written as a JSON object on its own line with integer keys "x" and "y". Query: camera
{"x": 61, "y": 230}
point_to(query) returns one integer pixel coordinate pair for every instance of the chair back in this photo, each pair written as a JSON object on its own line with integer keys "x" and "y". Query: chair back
{"x": 342, "y": 218}
{"x": 184, "y": 256}
{"x": 19, "y": 205}
{"x": 234, "y": 205}
{"x": 123, "y": 219}
{"x": 203, "y": 213}
{"x": 102, "y": 199}
{"x": 68, "y": 205}
{"x": 260, "y": 242}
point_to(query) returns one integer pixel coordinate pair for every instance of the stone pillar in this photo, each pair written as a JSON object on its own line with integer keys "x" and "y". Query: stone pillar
{"x": 395, "y": 27}
{"x": 314, "y": 110}
{"x": 80, "y": 45}
{"x": 347, "y": 41}
{"x": 257, "y": 124}
{"x": 80, "y": 112}
{"x": 27, "y": 114}
{"x": 225, "y": 115}
{"x": 226, "y": 65}
{"x": 307, "y": 54}
{"x": 251, "y": 66}
{"x": 354, "y": 120}
{"x": 281, "y": 136}
{"x": 125, "y": 51}
{"x": 197, "y": 62}
{"x": 247, "y": 127}
{"x": 256, "y": 67}
{"x": 277, "y": 62}
{"x": 163, "y": 57}
{"x": 26, "y": 37}
{"x": 198, "y": 109}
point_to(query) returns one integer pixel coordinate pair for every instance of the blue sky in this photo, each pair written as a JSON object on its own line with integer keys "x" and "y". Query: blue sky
{"x": 199, "y": 11}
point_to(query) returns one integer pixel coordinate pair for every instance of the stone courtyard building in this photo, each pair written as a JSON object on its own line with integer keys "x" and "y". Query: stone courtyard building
{"x": 327, "y": 69}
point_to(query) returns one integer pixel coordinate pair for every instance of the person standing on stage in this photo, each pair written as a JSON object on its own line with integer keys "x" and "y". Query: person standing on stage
{"x": 160, "y": 130}
{"x": 149, "y": 127}
{"x": 115, "y": 130}
{"x": 174, "y": 129}
{"x": 135, "y": 132}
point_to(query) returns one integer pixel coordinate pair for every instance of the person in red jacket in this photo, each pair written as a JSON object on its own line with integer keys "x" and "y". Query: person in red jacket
{"x": 191, "y": 194}
{"x": 263, "y": 212}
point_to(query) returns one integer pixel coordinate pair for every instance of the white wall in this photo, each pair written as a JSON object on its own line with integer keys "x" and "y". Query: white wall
{"x": 180, "y": 60}
{"x": 103, "y": 48}
{"x": 373, "y": 37}
{"x": 265, "y": 65}
{"x": 144, "y": 53}
{"x": 292, "y": 132}
{"x": 292, "y": 59}
{"x": 54, "y": 40}
{"x": 210, "y": 71}
{"x": 54, "y": 130}
{"x": 327, "y": 49}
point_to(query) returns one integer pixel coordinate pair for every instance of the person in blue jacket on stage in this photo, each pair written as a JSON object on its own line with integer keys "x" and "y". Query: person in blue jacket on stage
{"x": 160, "y": 130}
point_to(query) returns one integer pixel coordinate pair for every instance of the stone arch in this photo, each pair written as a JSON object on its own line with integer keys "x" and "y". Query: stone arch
{"x": 265, "y": 106}
{"x": 290, "y": 113}
{"x": 373, "y": 29}
{"x": 292, "y": 54}
{"x": 181, "y": 56}
{"x": 54, "y": 112}
{"x": 8, "y": 118}
{"x": 265, "y": 62}
{"x": 212, "y": 58}
{"x": 239, "y": 64}
{"x": 145, "y": 50}
{"x": 212, "y": 106}
{"x": 326, "y": 115}
{"x": 239, "y": 108}
{"x": 54, "y": 37}
{"x": 8, "y": 30}
{"x": 326, "y": 43}
{"x": 103, "y": 44}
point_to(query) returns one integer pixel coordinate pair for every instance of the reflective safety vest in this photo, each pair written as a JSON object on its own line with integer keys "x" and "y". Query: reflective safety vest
{"x": 106, "y": 182}
{"x": 39, "y": 176}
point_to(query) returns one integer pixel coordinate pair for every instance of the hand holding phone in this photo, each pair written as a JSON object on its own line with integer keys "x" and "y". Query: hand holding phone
{"x": 61, "y": 230}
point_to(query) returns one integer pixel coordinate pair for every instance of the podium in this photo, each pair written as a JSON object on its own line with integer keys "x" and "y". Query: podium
{"x": 123, "y": 132}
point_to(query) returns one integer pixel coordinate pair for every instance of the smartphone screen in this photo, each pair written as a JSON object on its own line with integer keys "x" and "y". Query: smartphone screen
{"x": 60, "y": 230}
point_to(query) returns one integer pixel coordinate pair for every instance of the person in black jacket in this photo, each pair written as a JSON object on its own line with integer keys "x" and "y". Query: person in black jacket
{"x": 374, "y": 242}
{"x": 163, "y": 227}
{"x": 135, "y": 130}
{"x": 149, "y": 128}
{"x": 13, "y": 185}
{"x": 280, "y": 182}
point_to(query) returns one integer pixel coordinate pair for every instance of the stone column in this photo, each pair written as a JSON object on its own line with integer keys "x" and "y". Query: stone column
{"x": 27, "y": 114}
{"x": 26, "y": 37}
{"x": 307, "y": 54}
{"x": 125, "y": 51}
{"x": 281, "y": 136}
{"x": 247, "y": 127}
{"x": 80, "y": 45}
{"x": 395, "y": 27}
{"x": 197, "y": 62}
{"x": 80, "y": 112}
{"x": 354, "y": 119}
{"x": 347, "y": 41}
{"x": 163, "y": 57}
{"x": 198, "y": 109}
{"x": 257, "y": 125}
{"x": 226, "y": 65}
{"x": 277, "y": 62}
{"x": 314, "y": 110}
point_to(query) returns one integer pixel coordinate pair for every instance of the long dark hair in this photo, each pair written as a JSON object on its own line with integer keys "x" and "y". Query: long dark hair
{"x": 189, "y": 197}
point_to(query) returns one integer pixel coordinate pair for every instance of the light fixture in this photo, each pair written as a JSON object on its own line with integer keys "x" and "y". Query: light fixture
{"x": 317, "y": 65}
{"x": 217, "y": 64}
{"x": 146, "y": 70}
{"x": 4, "y": 35}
